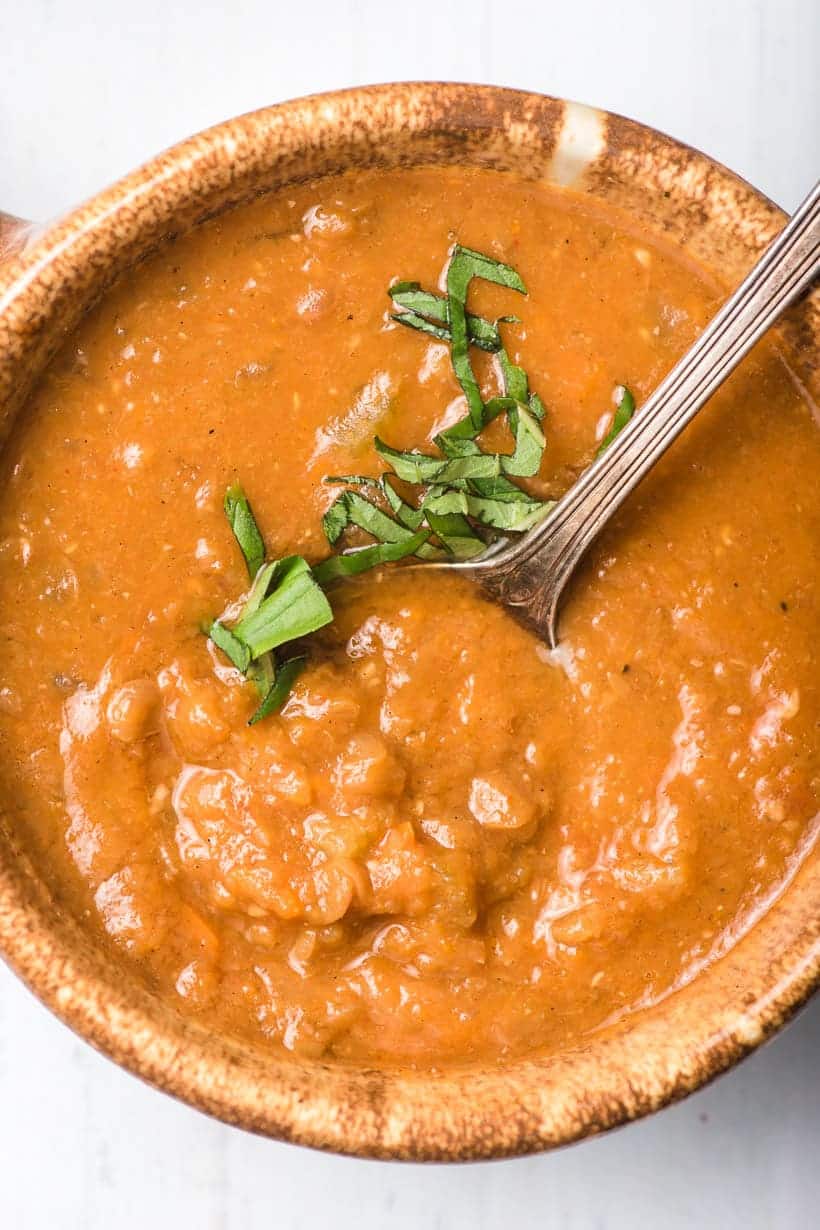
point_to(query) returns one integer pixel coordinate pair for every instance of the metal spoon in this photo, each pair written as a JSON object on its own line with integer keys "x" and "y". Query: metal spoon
{"x": 530, "y": 574}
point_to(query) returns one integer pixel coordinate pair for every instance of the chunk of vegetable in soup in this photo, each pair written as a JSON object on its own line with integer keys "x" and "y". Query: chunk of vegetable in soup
{"x": 450, "y": 844}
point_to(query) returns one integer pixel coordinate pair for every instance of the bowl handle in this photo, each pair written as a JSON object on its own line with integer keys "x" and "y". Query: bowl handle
{"x": 13, "y": 234}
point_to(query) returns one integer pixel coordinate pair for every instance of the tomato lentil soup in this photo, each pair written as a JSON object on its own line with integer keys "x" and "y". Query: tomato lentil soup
{"x": 451, "y": 844}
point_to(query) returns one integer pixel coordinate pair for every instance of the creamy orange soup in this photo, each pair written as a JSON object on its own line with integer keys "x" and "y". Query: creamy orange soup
{"x": 451, "y": 844}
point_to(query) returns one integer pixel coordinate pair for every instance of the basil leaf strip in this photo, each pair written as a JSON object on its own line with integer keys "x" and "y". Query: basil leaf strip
{"x": 245, "y": 530}
{"x": 419, "y": 304}
{"x": 355, "y": 480}
{"x": 356, "y": 510}
{"x": 259, "y": 590}
{"x": 413, "y": 321}
{"x": 536, "y": 406}
{"x": 515, "y": 380}
{"x": 360, "y": 560}
{"x": 624, "y": 412}
{"x": 402, "y": 511}
{"x": 516, "y": 390}
{"x": 411, "y": 467}
{"x": 374, "y": 521}
{"x": 483, "y": 333}
{"x": 371, "y": 519}
{"x": 512, "y": 516}
{"x": 262, "y": 673}
{"x": 525, "y": 460}
{"x": 456, "y": 535}
{"x": 286, "y": 675}
{"x": 335, "y": 520}
{"x": 492, "y": 488}
{"x": 238, "y": 653}
{"x": 296, "y": 607}
{"x": 419, "y": 468}
{"x": 464, "y": 266}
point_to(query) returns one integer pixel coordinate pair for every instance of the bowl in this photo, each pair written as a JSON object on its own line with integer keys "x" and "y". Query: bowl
{"x": 48, "y": 279}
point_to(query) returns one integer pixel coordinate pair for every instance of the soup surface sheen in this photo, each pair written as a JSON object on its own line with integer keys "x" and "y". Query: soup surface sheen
{"x": 451, "y": 844}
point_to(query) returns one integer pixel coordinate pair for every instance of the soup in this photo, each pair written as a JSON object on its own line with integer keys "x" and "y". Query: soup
{"x": 448, "y": 843}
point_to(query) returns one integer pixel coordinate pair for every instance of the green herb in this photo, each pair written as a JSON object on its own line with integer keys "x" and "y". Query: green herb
{"x": 352, "y": 509}
{"x": 510, "y": 516}
{"x": 245, "y": 530}
{"x": 499, "y": 488}
{"x": 413, "y": 321}
{"x": 464, "y": 266}
{"x": 515, "y": 378}
{"x": 525, "y": 461}
{"x": 284, "y": 604}
{"x": 230, "y": 645}
{"x": 352, "y": 562}
{"x": 294, "y": 606}
{"x": 335, "y": 520}
{"x": 461, "y": 499}
{"x": 263, "y": 669}
{"x": 403, "y": 512}
{"x": 337, "y": 517}
{"x": 465, "y": 491}
{"x": 623, "y": 413}
{"x": 374, "y": 521}
{"x": 280, "y": 689}
{"x": 456, "y": 534}
{"x": 419, "y": 468}
{"x": 429, "y": 313}
{"x": 262, "y": 673}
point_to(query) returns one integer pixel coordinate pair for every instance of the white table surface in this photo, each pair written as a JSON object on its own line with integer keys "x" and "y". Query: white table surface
{"x": 89, "y": 89}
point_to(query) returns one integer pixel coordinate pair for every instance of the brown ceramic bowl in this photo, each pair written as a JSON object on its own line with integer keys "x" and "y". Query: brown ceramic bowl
{"x": 47, "y": 282}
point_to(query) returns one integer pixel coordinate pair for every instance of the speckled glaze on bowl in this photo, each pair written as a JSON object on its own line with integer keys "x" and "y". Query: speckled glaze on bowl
{"x": 49, "y": 278}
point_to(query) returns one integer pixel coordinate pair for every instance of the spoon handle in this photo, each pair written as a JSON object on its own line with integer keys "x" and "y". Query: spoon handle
{"x": 533, "y": 572}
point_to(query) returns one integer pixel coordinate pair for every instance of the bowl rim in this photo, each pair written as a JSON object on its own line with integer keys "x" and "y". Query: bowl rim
{"x": 456, "y": 1114}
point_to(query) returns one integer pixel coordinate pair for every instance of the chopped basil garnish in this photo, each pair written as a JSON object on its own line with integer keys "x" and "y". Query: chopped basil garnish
{"x": 511, "y": 516}
{"x": 404, "y": 512}
{"x": 456, "y": 534}
{"x": 464, "y": 266}
{"x": 360, "y": 560}
{"x": 293, "y": 606}
{"x": 429, "y": 313}
{"x": 230, "y": 645}
{"x": 413, "y": 321}
{"x": 515, "y": 378}
{"x": 464, "y": 497}
{"x": 262, "y": 673}
{"x": 624, "y": 412}
{"x": 525, "y": 461}
{"x": 334, "y": 522}
{"x": 419, "y": 468}
{"x": 280, "y": 689}
{"x": 245, "y": 530}
{"x": 284, "y": 603}
{"x": 465, "y": 491}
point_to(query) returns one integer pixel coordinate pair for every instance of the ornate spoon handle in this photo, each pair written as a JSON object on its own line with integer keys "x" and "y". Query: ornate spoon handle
{"x": 532, "y": 573}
